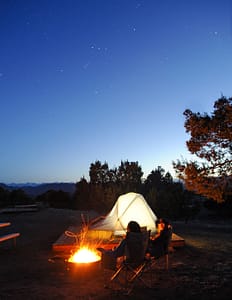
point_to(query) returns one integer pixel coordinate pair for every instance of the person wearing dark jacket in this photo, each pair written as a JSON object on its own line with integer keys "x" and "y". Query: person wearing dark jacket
{"x": 158, "y": 245}
{"x": 132, "y": 246}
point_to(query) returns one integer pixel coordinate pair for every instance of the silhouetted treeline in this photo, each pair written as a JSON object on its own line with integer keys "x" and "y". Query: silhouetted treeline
{"x": 166, "y": 197}
{"x": 14, "y": 197}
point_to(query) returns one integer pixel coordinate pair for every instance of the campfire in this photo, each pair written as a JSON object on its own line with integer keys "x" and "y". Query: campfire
{"x": 86, "y": 252}
{"x": 84, "y": 255}
{"x": 84, "y": 263}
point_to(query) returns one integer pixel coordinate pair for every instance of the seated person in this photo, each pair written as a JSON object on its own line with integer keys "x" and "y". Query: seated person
{"x": 158, "y": 245}
{"x": 132, "y": 246}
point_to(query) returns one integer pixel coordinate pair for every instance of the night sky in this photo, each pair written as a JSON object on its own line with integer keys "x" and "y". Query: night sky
{"x": 108, "y": 80}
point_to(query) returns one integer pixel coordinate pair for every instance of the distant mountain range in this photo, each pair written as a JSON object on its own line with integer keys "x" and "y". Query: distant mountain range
{"x": 34, "y": 189}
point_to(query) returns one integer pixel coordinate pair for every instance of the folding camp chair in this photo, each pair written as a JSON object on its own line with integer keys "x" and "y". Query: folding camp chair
{"x": 132, "y": 266}
{"x": 166, "y": 247}
{"x": 164, "y": 251}
{"x": 150, "y": 262}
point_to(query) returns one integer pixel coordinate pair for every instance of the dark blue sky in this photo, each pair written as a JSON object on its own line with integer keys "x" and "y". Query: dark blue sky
{"x": 106, "y": 80}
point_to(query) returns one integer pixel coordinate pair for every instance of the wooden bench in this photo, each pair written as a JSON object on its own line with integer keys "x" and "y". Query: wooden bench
{"x": 10, "y": 236}
{"x": 20, "y": 208}
{"x": 4, "y": 224}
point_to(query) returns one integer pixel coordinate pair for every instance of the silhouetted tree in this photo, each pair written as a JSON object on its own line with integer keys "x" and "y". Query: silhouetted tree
{"x": 152, "y": 197}
{"x": 166, "y": 198}
{"x": 4, "y": 197}
{"x": 56, "y": 199}
{"x": 18, "y": 196}
{"x": 168, "y": 179}
{"x": 155, "y": 179}
{"x": 99, "y": 173}
{"x": 81, "y": 196}
{"x": 129, "y": 174}
{"x": 211, "y": 142}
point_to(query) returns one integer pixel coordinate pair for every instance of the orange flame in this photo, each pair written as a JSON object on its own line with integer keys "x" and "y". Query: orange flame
{"x": 84, "y": 255}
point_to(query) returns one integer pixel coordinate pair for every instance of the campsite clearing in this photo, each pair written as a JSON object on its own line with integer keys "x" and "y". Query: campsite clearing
{"x": 108, "y": 231}
{"x": 199, "y": 270}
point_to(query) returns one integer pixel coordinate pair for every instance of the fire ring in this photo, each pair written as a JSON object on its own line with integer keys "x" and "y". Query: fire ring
{"x": 84, "y": 263}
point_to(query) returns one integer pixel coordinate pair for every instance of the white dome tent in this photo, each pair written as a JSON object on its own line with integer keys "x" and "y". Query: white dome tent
{"x": 128, "y": 207}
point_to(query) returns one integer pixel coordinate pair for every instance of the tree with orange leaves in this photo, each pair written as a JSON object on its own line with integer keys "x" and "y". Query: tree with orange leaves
{"x": 211, "y": 141}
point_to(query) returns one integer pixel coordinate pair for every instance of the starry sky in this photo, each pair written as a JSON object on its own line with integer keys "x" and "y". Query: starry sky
{"x": 108, "y": 80}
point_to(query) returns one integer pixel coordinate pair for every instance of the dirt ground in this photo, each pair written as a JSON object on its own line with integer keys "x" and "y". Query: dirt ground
{"x": 202, "y": 269}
